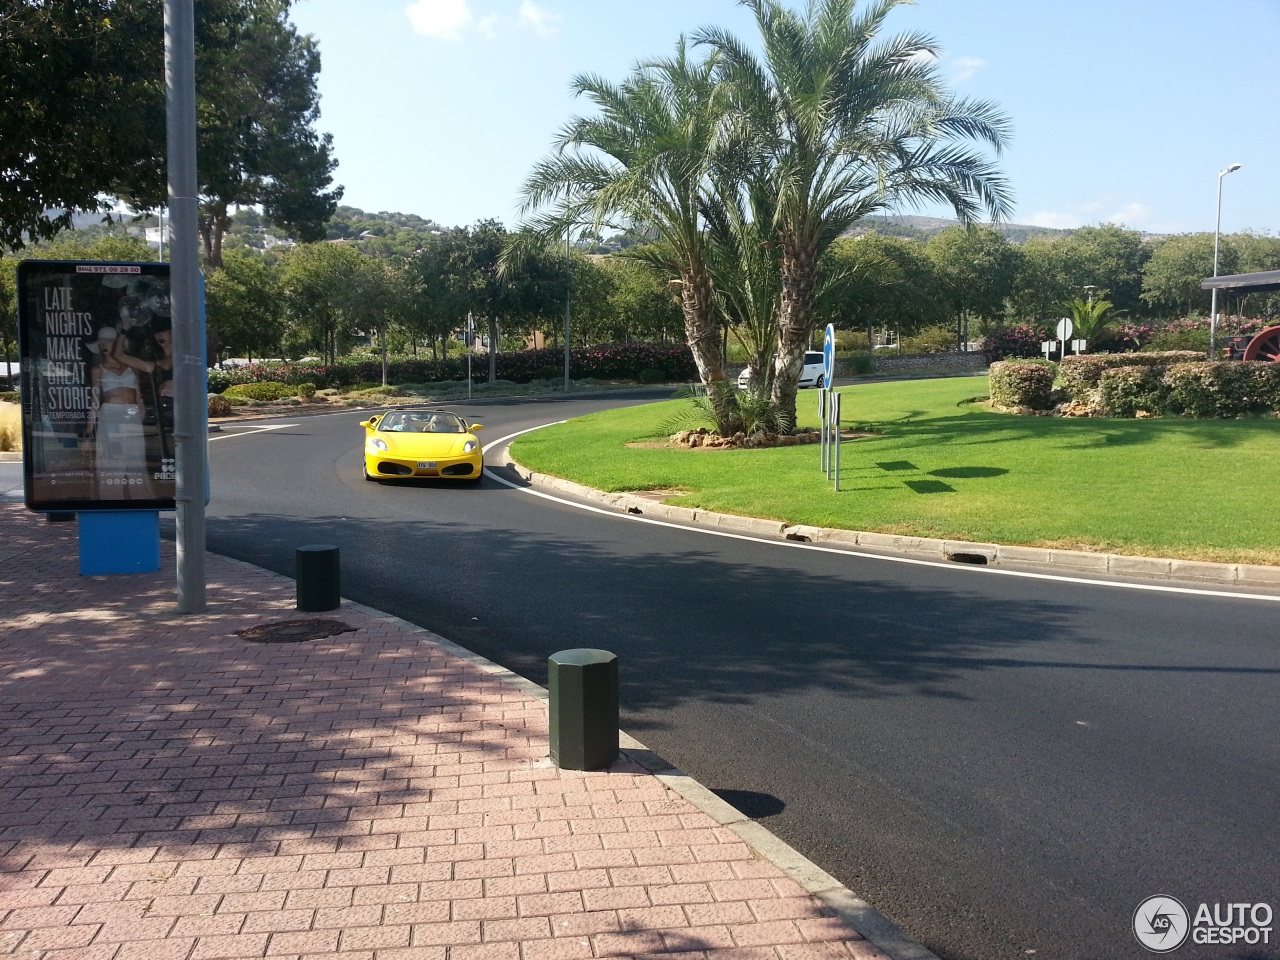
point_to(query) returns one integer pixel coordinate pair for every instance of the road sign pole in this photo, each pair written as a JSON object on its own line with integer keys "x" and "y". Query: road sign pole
{"x": 837, "y": 440}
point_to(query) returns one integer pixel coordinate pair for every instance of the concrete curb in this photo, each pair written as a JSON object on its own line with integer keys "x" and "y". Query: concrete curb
{"x": 959, "y": 551}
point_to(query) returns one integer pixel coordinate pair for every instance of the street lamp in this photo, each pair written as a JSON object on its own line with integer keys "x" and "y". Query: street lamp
{"x": 1217, "y": 229}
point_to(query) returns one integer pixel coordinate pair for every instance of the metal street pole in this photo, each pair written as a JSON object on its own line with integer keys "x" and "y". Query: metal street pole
{"x": 1217, "y": 228}
{"x": 190, "y": 402}
{"x": 568, "y": 283}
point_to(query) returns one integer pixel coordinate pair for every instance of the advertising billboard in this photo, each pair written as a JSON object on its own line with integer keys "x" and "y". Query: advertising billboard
{"x": 96, "y": 344}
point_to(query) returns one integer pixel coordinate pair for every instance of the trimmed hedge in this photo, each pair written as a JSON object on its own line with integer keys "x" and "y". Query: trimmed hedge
{"x": 1081, "y": 374}
{"x": 1022, "y": 383}
{"x": 1123, "y": 391}
{"x": 1202, "y": 390}
{"x": 624, "y": 361}
{"x": 1222, "y": 389}
{"x": 266, "y": 391}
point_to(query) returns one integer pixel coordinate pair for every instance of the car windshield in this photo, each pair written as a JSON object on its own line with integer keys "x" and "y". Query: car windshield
{"x": 408, "y": 422}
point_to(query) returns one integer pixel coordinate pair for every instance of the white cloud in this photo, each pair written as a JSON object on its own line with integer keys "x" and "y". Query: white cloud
{"x": 1133, "y": 215}
{"x": 1107, "y": 208}
{"x": 446, "y": 19}
{"x": 965, "y": 68}
{"x": 542, "y": 22}
{"x": 452, "y": 19}
{"x": 1054, "y": 220}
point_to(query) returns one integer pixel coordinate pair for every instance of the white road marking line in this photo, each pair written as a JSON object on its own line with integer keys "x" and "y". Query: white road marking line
{"x": 252, "y": 430}
{"x": 912, "y": 561}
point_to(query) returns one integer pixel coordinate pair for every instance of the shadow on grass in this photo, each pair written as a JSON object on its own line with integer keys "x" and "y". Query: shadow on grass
{"x": 984, "y": 427}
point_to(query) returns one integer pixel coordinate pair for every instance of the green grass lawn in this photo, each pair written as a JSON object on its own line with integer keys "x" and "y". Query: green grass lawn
{"x": 942, "y": 467}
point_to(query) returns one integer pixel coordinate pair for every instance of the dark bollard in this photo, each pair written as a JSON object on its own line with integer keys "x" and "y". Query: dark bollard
{"x": 584, "y": 708}
{"x": 319, "y": 578}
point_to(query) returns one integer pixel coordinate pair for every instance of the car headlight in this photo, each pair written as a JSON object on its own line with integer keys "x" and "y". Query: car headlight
{"x": 377, "y": 443}
{"x": 471, "y": 446}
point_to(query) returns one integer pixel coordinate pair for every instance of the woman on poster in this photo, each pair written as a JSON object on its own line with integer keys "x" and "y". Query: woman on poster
{"x": 161, "y": 373}
{"x": 115, "y": 422}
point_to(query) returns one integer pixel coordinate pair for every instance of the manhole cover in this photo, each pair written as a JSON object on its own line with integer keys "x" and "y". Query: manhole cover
{"x": 295, "y": 631}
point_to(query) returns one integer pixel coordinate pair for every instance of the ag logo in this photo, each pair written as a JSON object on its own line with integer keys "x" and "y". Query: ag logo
{"x": 1161, "y": 924}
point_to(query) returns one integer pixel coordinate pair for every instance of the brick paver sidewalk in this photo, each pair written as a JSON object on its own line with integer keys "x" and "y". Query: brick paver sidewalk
{"x": 171, "y": 790}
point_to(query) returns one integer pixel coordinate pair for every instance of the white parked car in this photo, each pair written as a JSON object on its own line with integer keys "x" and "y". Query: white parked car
{"x": 811, "y": 375}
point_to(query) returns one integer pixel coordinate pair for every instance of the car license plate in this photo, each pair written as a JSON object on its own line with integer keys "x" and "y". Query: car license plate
{"x": 426, "y": 464}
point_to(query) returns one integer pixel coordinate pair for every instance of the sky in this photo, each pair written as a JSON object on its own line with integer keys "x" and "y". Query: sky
{"x": 1123, "y": 111}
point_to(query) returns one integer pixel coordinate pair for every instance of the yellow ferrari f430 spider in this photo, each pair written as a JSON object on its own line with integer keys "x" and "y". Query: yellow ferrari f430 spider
{"x": 408, "y": 444}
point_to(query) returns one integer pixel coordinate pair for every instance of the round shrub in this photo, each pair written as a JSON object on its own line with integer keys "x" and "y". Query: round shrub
{"x": 219, "y": 406}
{"x": 1022, "y": 383}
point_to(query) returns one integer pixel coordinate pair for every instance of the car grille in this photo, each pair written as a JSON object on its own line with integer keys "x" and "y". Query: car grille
{"x": 395, "y": 469}
{"x": 458, "y": 470}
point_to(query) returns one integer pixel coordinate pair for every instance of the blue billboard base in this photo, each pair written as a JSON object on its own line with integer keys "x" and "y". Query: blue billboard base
{"x": 119, "y": 541}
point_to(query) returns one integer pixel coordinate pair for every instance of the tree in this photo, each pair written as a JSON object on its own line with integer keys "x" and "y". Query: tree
{"x": 1172, "y": 277}
{"x": 897, "y": 288}
{"x": 975, "y": 269}
{"x": 1058, "y": 269}
{"x": 641, "y": 302}
{"x": 243, "y": 307}
{"x": 642, "y": 164}
{"x": 850, "y": 125}
{"x": 1110, "y": 258}
{"x": 321, "y": 285}
{"x": 433, "y": 309}
{"x": 79, "y": 110}
{"x": 1258, "y": 252}
{"x": 84, "y": 115}
{"x": 258, "y": 107}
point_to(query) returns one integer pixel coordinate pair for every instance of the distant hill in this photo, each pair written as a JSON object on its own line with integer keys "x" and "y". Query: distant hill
{"x": 922, "y": 228}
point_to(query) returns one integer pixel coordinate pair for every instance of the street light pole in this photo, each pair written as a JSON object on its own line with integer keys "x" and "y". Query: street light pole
{"x": 1217, "y": 229}
{"x": 191, "y": 431}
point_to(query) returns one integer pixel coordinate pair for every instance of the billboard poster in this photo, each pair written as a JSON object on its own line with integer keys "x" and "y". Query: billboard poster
{"x": 96, "y": 347}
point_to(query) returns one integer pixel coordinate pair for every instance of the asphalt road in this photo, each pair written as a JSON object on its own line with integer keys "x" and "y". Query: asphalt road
{"x": 1005, "y": 767}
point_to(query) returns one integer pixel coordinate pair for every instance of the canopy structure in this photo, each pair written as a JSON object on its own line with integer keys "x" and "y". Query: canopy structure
{"x": 1244, "y": 282}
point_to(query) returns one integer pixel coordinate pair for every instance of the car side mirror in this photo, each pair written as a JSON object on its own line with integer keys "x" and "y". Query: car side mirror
{"x": 476, "y": 427}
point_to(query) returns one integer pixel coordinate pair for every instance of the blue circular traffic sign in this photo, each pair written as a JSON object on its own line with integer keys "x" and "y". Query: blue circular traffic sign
{"x": 828, "y": 354}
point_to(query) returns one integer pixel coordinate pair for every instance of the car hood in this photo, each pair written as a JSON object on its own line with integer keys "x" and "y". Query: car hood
{"x": 424, "y": 446}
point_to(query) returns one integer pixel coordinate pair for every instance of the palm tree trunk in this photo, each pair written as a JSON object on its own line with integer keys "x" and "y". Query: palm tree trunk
{"x": 795, "y": 321}
{"x": 703, "y": 336}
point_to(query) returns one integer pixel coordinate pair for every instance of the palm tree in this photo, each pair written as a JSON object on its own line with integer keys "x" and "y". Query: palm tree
{"x": 1090, "y": 317}
{"x": 850, "y": 124}
{"x": 642, "y": 164}
{"x": 743, "y": 259}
